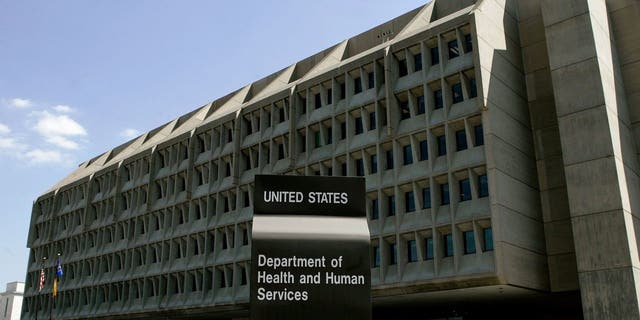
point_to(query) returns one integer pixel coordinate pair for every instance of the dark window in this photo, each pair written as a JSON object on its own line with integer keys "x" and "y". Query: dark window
{"x": 473, "y": 89}
{"x": 456, "y": 92}
{"x": 389, "y": 156}
{"x": 376, "y": 256}
{"x": 383, "y": 116}
{"x": 357, "y": 85}
{"x": 343, "y": 130}
{"x": 444, "y": 194}
{"x": 317, "y": 138}
{"x": 303, "y": 105}
{"x": 409, "y": 202}
{"x": 245, "y": 237}
{"x": 374, "y": 163}
{"x": 393, "y": 254}
{"x": 424, "y": 150}
{"x": 343, "y": 169}
{"x": 375, "y": 210}
{"x": 483, "y": 186}
{"x": 453, "y": 49}
{"x": 281, "y": 114}
{"x": 435, "y": 56}
{"x": 402, "y": 68}
{"x": 280, "y": 151}
{"x": 303, "y": 143}
{"x": 372, "y": 120}
{"x": 437, "y": 99}
{"x": 468, "y": 43}
{"x": 461, "y": 140}
{"x": 421, "y": 106}
{"x": 412, "y": 251}
{"x": 417, "y": 62}
{"x": 229, "y": 135}
{"x": 442, "y": 145}
{"x": 228, "y": 169}
{"x": 428, "y": 248}
{"x": 329, "y": 96}
{"x": 359, "y": 125}
{"x": 404, "y": 110}
{"x": 370, "y": 80}
{"x": 268, "y": 116}
{"x": 247, "y": 124}
{"x": 343, "y": 91}
{"x": 247, "y": 200}
{"x": 391, "y": 205}
{"x": 465, "y": 190}
{"x": 469, "y": 242}
{"x": 487, "y": 237}
{"x": 407, "y": 155}
{"x": 317, "y": 101}
{"x": 426, "y": 198}
{"x": 329, "y": 135}
{"x": 360, "y": 167}
{"x": 479, "y": 135}
{"x": 448, "y": 245}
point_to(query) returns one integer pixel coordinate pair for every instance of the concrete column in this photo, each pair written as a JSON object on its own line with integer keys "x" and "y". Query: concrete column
{"x": 595, "y": 148}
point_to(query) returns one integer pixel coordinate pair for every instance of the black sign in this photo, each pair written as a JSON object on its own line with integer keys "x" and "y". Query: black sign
{"x": 310, "y": 249}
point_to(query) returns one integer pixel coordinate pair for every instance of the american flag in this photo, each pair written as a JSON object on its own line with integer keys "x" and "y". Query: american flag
{"x": 41, "y": 285}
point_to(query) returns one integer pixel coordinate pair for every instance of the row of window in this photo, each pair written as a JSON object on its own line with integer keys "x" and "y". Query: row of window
{"x": 447, "y": 247}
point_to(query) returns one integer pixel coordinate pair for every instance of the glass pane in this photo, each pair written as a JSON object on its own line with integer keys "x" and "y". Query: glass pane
{"x": 421, "y": 106}
{"x": 469, "y": 242}
{"x": 444, "y": 194}
{"x": 409, "y": 202}
{"x": 417, "y": 62}
{"x": 374, "y": 163}
{"x": 402, "y": 68}
{"x": 456, "y": 92}
{"x": 376, "y": 256}
{"x": 426, "y": 198}
{"x": 442, "y": 145}
{"x": 375, "y": 211}
{"x": 453, "y": 49}
{"x": 465, "y": 190}
{"x": 372, "y": 120}
{"x": 487, "y": 234}
{"x": 435, "y": 56}
{"x": 479, "y": 135}
{"x": 393, "y": 254}
{"x": 391, "y": 205}
{"x": 437, "y": 99}
{"x": 404, "y": 110}
{"x": 407, "y": 155}
{"x": 429, "y": 248}
{"x": 461, "y": 140}
{"x": 424, "y": 151}
{"x": 389, "y": 155}
{"x": 448, "y": 245}
{"x": 412, "y": 251}
{"x": 483, "y": 186}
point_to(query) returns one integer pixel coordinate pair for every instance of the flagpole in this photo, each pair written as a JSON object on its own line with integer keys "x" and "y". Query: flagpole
{"x": 44, "y": 259}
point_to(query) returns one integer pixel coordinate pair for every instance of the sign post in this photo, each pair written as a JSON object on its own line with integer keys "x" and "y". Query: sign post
{"x": 310, "y": 249}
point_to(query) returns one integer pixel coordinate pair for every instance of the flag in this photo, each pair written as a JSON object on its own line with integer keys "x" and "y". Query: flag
{"x": 55, "y": 287}
{"x": 59, "y": 272}
{"x": 41, "y": 285}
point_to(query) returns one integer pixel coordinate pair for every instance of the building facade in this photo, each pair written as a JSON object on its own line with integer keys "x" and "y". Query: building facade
{"x": 499, "y": 140}
{"x": 11, "y": 301}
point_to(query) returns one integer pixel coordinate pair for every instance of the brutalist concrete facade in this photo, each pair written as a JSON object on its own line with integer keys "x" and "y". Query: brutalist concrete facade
{"x": 499, "y": 140}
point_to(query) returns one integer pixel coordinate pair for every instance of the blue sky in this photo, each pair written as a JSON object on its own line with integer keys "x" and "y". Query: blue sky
{"x": 80, "y": 77}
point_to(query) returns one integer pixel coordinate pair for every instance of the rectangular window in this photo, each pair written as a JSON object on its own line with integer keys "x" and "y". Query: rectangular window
{"x": 391, "y": 206}
{"x": 357, "y": 85}
{"x": 393, "y": 254}
{"x": 465, "y": 190}
{"x": 280, "y": 151}
{"x": 453, "y": 49}
{"x": 487, "y": 237}
{"x": 370, "y": 80}
{"x": 456, "y": 92}
{"x": 469, "y": 242}
{"x": 329, "y": 135}
{"x": 329, "y": 96}
{"x": 478, "y": 135}
{"x": 409, "y": 202}
{"x": 444, "y": 194}
{"x": 317, "y": 138}
{"x": 389, "y": 156}
{"x": 424, "y": 150}
{"x": 473, "y": 89}
{"x": 442, "y": 145}
{"x": 448, "y": 245}
{"x": 372, "y": 120}
{"x": 437, "y": 99}
{"x": 417, "y": 62}
{"x": 412, "y": 251}
{"x": 375, "y": 210}
{"x": 426, "y": 198}
{"x": 376, "y": 256}
{"x": 421, "y": 105}
{"x": 407, "y": 155}
{"x": 343, "y": 91}
{"x": 374, "y": 163}
{"x": 402, "y": 68}
{"x": 461, "y": 140}
{"x": 281, "y": 114}
{"x": 468, "y": 43}
{"x": 359, "y": 125}
{"x": 267, "y": 114}
{"x": 483, "y": 186}
{"x": 343, "y": 130}
{"x": 435, "y": 56}
{"x": 428, "y": 248}
{"x": 404, "y": 110}
{"x": 343, "y": 169}
{"x": 303, "y": 105}
{"x": 317, "y": 100}
{"x": 359, "y": 167}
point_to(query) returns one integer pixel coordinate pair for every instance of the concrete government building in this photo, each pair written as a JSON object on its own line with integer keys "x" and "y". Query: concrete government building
{"x": 499, "y": 140}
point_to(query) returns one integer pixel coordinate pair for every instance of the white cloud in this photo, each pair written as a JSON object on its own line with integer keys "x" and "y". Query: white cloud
{"x": 9, "y": 143}
{"x": 62, "y": 142}
{"x": 4, "y": 129}
{"x": 129, "y": 133}
{"x": 62, "y": 108}
{"x": 39, "y": 156}
{"x": 20, "y": 103}
{"x": 57, "y": 125}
